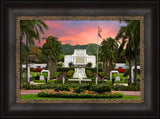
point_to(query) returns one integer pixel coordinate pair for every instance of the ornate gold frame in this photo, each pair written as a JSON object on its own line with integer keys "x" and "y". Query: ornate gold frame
{"x": 18, "y": 18}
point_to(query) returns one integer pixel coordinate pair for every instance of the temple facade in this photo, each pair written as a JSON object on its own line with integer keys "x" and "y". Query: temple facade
{"x": 79, "y": 58}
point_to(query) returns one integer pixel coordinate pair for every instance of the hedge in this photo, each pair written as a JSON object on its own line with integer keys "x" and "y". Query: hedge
{"x": 100, "y": 88}
{"x": 57, "y": 87}
{"x": 96, "y": 88}
{"x": 61, "y": 95}
{"x": 94, "y": 69}
{"x": 64, "y": 69}
{"x": 80, "y": 87}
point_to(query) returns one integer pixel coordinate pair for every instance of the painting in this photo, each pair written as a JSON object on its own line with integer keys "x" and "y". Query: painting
{"x": 80, "y": 59}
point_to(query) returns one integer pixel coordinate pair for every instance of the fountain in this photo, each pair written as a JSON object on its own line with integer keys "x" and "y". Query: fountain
{"x": 79, "y": 73}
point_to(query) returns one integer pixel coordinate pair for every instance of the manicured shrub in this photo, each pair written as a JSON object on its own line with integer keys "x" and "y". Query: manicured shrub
{"x": 89, "y": 64}
{"x": 61, "y": 87}
{"x": 89, "y": 73}
{"x": 78, "y": 90}
{"x": 82, "y": 88}
{"x": 64, "y": 69}
{"x": 94, "y": 70}
{"x": 57, "y": 87}
{"x": 100, "y": 88}
{"x": 56, "y": 74}
{"x": 74, "y": 95}
{"x": 70, "y": 73}
{"x": 101, "y": 74}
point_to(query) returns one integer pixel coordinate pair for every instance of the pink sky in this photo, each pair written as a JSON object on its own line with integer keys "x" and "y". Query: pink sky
{"x": 79, "y": 32}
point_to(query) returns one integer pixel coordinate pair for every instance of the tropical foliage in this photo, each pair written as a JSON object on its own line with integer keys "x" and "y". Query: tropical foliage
{"x": 108, "y": 54}
{"x": 52, "y": 52}
{"x": 29, "y": 30}
{"x": 130, "y": 36}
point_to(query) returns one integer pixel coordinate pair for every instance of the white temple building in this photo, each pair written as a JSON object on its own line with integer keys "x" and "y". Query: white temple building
{"x": 79, "y": 58}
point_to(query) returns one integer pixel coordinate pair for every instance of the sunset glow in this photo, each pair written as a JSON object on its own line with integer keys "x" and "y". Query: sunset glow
{"x": 79, "y": 32}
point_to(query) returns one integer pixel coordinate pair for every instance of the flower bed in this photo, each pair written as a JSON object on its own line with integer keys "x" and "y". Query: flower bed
{"x": 84, "y": 94}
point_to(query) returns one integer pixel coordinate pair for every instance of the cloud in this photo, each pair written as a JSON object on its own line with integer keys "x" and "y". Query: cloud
{"x": 79, "y": 32}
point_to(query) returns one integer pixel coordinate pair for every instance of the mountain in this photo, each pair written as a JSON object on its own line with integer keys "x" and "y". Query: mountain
{"x": 69, "y": 49}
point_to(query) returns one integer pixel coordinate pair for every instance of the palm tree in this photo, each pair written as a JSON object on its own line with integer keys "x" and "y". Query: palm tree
{"x": 30, "y": 29}
{"x": 132, "y": 33}
{"x": 52, "y": 51}
{"x": 108, "y": 54}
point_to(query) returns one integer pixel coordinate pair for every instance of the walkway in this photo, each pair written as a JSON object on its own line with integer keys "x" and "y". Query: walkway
{"x": 134, "y": 93}
{"x": 61, "y": 76}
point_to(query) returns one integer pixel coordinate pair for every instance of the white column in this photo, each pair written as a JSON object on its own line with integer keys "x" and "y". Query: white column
{"x": 132, "y": 73}
{"x": 63, "y": 80}
{"x": 48, "y": 75}
{"x": 110, "y": 75}
{"x": 28, "y": 74}
{"x": 96, "y": 80}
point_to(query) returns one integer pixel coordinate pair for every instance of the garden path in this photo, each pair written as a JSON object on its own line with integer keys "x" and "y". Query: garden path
{"x": 61, "y": 76}
{"x": 133, "y": 93}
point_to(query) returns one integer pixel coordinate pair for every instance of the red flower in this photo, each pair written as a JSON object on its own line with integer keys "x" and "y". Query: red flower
{"x": 121, "y": 70}
{"x": 38, "y": 69}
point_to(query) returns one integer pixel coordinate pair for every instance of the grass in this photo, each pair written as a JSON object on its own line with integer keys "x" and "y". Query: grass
{"x": 121, "y": 76}
{"x": 32, "y": 73}
{"x": 34, "y": 96}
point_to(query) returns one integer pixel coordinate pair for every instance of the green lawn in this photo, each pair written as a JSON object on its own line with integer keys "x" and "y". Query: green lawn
{"x": 32, "y": 73}
{"x": 34, "y": 96}
{"x": 121, "y": 76}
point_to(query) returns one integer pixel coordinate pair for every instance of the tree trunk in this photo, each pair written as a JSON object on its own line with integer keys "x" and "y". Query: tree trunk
{"x": 135, "y": 70}
{"x": 108, "y": 67}
{"x": 50, "y": 65}
{"x": 54, "y": 66}
{"x": 129, "y": 80}
{"x": 26, "y": 61}
{"x": 104, "y": 67}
